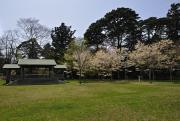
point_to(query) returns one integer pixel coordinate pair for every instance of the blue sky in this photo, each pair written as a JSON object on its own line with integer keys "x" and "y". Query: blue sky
{"x": 77, "y": 13}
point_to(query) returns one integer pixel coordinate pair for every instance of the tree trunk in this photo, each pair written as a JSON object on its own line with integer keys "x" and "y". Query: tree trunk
{"x": 98, "y": 75}
{"x": 153, "y": 74}
{"x": 139, "y": 77}
{"x": 148, "y": 35}
{"x": 118, "y": 74}
{"x": 125, "y": 74}
{"x": 149, "y": 74}
{"x": 119, "y": 42}
{"x": 170, "y": 72}
{"x": 72, "y": 73}
{"x": 97, "y": 47}
{"x": 80, "y": 73}
{"x": 111, "y": 75}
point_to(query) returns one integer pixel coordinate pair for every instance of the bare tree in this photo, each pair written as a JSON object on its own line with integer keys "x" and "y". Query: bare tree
{"x": 30, "y": 28}
{"x": 8, "y": 45}
{"x": 1, "y": 47}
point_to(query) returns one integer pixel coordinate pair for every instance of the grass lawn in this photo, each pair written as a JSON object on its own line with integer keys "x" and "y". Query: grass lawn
{"x": 91, "y": 102}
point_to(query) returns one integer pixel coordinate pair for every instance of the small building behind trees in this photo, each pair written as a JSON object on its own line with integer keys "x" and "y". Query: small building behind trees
{"x": 34, "y": 71}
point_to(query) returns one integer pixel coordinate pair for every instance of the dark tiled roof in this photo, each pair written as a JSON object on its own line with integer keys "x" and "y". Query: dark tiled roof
{"x": 49, "y": 62}
{"x": 11, "y": 66}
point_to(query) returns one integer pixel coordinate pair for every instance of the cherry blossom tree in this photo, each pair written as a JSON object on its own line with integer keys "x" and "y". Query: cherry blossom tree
{"x": 104, "y": 62}
{"x": 155, "y": 56}
{"x": 81, "y": 56}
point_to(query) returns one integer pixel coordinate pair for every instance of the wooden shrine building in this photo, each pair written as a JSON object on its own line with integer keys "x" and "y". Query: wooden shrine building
{"x": 34, "y": 71}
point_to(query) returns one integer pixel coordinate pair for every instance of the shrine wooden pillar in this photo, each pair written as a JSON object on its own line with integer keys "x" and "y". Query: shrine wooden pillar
{"x": 49, "y": 72}
{"x": 8, "y": 75}
{"x": 22, "y": 73}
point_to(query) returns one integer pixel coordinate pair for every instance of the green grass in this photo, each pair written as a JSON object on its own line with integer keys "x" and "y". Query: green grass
{"x": 91, "y": 102}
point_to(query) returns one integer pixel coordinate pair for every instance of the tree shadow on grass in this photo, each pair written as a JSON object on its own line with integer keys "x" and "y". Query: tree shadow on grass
{"x": 106, "y": 81}
{"x": 39, "y": 82}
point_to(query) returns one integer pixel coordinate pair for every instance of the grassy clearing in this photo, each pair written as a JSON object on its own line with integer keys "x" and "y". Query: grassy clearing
{"x": 91, "y": 102}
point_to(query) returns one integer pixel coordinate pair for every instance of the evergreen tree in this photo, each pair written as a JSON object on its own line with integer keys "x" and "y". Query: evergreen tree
{"x": 94, "y": 35}
{"x": 121, "y": 26}
{"x": 173, "y": 16}
{"x": 61, "y": 38}
{"x": 149, "y": 30}
{"x": 30, "y": 49}
{"x": 47, "y": 51}
{"x": 117, "y": 28}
